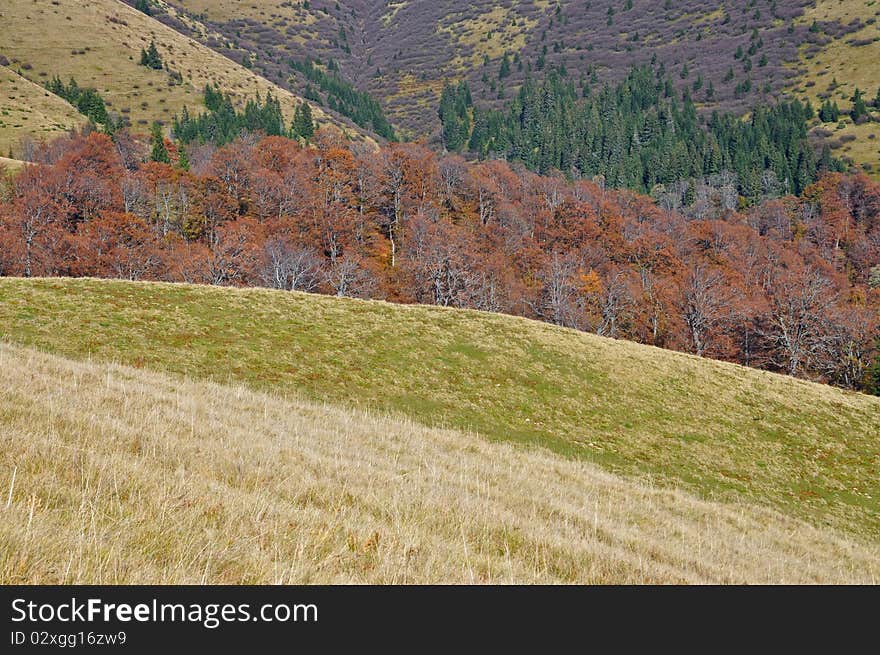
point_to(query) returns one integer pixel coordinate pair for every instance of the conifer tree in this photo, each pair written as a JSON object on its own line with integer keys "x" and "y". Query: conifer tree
{"x": 183, "y": 158}
{"x": 859, "y": 109}
{"x": 874, "y": 383}
{"x": 638, "y": 134}
{"x": 151, "y": 58}
{"x": 303, "y": 124}
{"x": 158, "y": 151}
{"x": 504, "y": 70}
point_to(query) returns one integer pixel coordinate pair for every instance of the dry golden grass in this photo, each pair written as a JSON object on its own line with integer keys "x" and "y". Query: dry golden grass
{"x": 28, "y": 109}
{"x": 864, "y": 149}
{"x": 10, "y": 165}
{"x": 107, "y": 37}
{"x": 720, "y": 431}
{"x": 490, "y": 34}
{"x": 114, "y": 475}
{"x": 393, "y": 8}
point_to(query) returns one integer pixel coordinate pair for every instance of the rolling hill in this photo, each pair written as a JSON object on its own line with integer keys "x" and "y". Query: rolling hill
{"x": 720, "y": 431}
{"x": 10, "y": 164}
{"x": 27, "y": 109}
{"x": 99, "y": 44}
{"x": 116, "y": 475}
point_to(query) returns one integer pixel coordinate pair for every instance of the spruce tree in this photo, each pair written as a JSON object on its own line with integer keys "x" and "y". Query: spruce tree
{"x": 150, "y": 57}
{"x": 690, "y": 195}
{"x": 183, "y": 158}
{"x": 504, "y": 70}
{"x": 859, "y": 109}
{"x": 829, "y": 112}
{"x": 874, "y": 375}
{"x": 303, "y": 124}
{"x": 158, "y": 151}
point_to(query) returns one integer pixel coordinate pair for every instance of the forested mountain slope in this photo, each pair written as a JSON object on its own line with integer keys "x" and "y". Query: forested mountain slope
{"x": 742, "y": 53}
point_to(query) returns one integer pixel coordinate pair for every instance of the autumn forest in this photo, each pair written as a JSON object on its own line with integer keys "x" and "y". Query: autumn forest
{"x": 789, "y": 285}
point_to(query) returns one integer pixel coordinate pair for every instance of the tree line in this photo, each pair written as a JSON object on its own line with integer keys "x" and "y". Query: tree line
{"x": 636, "y": 134}
{"x": 222, "y": 122}
{"x": 344, "y": 98}
{"x": 87, "y": 101}
{"x": 791, "y": 284}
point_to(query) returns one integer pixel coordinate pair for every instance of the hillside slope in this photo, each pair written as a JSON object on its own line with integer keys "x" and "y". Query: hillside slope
{"x": 112, "y": 475}
{"x": 843, "y": 62}
{"x": 403, "y": 51}
{"x": 722, "y": 431}
{"x": 99, "y": 44}
{"x": 729, "y": 55}
{"x": 27, "y": 109}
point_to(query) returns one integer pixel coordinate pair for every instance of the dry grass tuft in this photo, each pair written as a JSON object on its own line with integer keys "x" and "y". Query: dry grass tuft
{"x": 114, "y": 475}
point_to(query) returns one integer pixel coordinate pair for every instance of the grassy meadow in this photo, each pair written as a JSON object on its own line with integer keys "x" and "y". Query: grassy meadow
{"x": 720, "y": 431}
{"x": 111, "y": 474}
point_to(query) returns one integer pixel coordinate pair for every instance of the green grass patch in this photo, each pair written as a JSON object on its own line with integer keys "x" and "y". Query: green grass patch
{"x": 720, "y": 430}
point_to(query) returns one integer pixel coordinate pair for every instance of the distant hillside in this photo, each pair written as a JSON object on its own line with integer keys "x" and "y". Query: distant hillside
{"x": 838, "y": 63}
{"x": 99, "y": 44}
{"x": 27, "y": 109}
{"x": 724, "y": 432}
{"x": 112, "y": 475}
{"x": 730, "y": 55}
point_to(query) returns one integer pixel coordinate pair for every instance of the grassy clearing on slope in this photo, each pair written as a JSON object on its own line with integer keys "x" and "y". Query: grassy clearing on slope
{"x": 28, "y": 109}
{"x": 113, "y": 475}
{"x": 721, "y": 430}
{"x": 281, "y": 12}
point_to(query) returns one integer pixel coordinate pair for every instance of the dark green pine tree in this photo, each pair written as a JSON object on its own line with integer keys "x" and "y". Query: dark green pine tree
{"x": 449, "y": 127}
{"x": 213, "y": 98}
{"x": 859, "y": 109}
{"x": 303, "y": 125}
{"x": 183, "y": 158}
{"x": 504, "y": 70}
{"x": 87, "y": 101}
{"x": 829, "y": 112}
{"x": 143, "y": 6}
{"x": 158, "y": 151}
{"x": 635, "y": 135}
{"x": 151, "y": 58}
{"x": 455, "y": 119}
{"x": 690, "y": 195}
